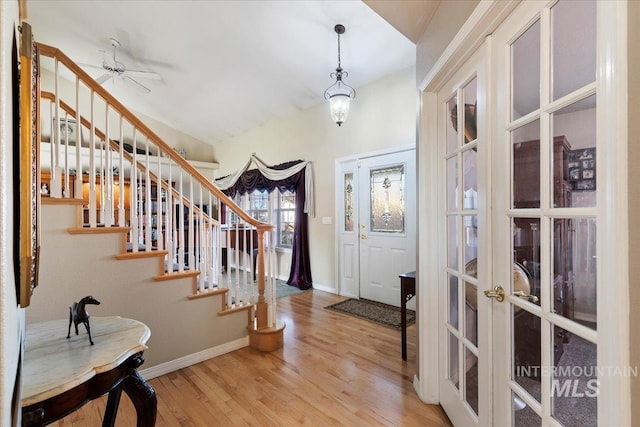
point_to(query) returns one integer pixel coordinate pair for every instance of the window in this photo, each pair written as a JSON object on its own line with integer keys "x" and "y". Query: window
{"x": 259, "y": 206}
{"x": 286, "y": 215}
{"x": 276, "y": 208}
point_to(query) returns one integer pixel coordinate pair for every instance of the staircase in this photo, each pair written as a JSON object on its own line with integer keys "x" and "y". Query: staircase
{"x": 142, "y": 214}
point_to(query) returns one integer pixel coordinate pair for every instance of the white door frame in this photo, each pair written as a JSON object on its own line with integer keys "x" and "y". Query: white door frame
{"x": 613, "y": 268}
{"x": 338, "y": 201}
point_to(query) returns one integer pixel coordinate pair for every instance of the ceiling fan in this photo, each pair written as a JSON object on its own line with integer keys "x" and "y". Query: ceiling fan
{"x": 115, "y": 69}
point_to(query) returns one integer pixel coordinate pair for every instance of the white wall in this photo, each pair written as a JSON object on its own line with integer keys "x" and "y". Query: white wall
{"x": 195, "y": 148}
{"x": 11, "y": 318}
{"x": 383, "y": 115}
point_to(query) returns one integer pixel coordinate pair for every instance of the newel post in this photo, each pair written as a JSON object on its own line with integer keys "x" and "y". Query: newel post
{"x": 264, "y": 336}
{"x": 262, "y": 307}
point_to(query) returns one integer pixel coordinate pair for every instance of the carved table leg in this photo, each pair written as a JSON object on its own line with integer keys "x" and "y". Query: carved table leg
{"x": 143, "y": 397}
{"x": 112, "y": 407}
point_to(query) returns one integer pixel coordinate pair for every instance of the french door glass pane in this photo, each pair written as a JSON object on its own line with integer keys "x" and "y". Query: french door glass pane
{"x": 452, "y": 183}
{"x": 574, "y": 166}
{"x": 573, "y": 43}
{"x": 523, "y": 415}
{"x": 452, "y": 125}
{"x": 469, "y": 95}
{"x": 471, "y": 383}
{"x": 470, "y": 237}
{"x": 526, "y": 351}
{"x": 452, "y": 242}
{"x": 453, "y": 301}
{"x": 526, "y": 257}
{"x": 574, "y": 269}
{"x": 525, "y": 72}
{"x": 526, "y": 166}
{"x": 574, "y": 381}
{"x": 453, "y": 359}
{"x": 470, "y": 179}
{"x": 471, "y": 312}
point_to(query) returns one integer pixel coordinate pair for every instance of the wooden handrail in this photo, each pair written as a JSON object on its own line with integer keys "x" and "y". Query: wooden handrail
{"x": 57, "y": 54}
{"x": 115, "y": 146}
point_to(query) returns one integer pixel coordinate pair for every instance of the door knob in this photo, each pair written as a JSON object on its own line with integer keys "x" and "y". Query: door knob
{"x": 363, "y": 236}
{"x": 497, "y": 293}
{"x": 522, "y": 294}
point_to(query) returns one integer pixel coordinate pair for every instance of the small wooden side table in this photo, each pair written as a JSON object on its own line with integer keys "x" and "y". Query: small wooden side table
{"x": 60, "y": 375}
{"x": 407, "y": 291}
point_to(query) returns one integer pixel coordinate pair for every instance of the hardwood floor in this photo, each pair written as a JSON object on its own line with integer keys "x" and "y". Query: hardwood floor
{"x": 334, "y": 370}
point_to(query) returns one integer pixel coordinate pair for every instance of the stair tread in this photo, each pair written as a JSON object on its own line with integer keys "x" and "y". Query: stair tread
{"x": 208, "y": 293}
{"x": 229, "y": 310}
{"x": 97, "y": 230}
{"x": 176, "y": 275}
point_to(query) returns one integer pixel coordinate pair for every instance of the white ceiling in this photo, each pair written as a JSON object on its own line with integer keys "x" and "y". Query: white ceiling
{"x": 226, "y": 66}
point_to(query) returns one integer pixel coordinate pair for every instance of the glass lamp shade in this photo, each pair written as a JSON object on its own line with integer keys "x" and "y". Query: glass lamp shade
{"x": 339, "y": 106}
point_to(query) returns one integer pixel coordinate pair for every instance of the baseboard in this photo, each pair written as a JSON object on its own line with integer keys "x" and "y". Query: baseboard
{"x": 430, "y": 398}
{"x": 324, "y": 288}
{"x": 192, "y": 359}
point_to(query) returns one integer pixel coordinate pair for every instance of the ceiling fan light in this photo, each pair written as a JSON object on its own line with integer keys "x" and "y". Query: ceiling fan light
{"x": 339, "y": 106}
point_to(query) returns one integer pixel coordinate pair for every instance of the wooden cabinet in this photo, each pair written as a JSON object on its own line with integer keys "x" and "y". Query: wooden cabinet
{"x": 526, "y": 194}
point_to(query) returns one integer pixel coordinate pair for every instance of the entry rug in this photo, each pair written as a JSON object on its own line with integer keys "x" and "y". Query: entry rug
{"x": 385, "y": 315}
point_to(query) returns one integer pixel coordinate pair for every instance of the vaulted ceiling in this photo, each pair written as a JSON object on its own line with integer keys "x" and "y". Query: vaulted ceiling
{"x": 230, "y": 66}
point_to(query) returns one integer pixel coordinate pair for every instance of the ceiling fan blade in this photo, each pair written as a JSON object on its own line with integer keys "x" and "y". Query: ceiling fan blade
{"x": 143, "y": 74}
{"x": 103, "y": 78}
{"x": 139, "y": 86}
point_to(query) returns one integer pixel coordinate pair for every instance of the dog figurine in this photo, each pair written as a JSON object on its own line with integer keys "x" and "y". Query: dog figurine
{"x": 78, "y": 314}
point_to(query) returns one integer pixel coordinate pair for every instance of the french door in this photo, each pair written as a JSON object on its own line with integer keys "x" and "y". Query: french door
{"x": 545, "y": 217}
{"x": 465, "y": 365}
{"x": 521, "y": 166}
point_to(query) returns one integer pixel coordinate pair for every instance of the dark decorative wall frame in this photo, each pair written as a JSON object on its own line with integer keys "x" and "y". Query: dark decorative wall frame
{"x": 25, "y": 173}
{"x": 581, "y": 167}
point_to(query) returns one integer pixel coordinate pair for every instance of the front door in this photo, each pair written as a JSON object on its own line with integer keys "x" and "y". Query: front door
{"x": 387, "y": 224}
{"x": 377, "y": 227}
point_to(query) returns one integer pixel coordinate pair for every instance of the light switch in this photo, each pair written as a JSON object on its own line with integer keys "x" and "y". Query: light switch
{"x": 326, "y": 220}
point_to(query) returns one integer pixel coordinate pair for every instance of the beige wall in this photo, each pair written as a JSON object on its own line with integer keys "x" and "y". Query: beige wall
{"x": 445, "y": 24}
{"x": 383, "y": 115}
{"x": 74, "y": 266}
{"x": 634, "y": 199}
{"x": 11, "y": 318}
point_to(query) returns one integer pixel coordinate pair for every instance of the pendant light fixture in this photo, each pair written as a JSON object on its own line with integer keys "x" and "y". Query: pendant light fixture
{"x": 339, "y": 94}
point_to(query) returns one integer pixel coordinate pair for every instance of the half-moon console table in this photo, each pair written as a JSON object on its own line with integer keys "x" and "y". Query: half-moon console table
{"x": 59, "y": 375}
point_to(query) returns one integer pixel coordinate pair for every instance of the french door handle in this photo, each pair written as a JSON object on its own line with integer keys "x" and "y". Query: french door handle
{"x": 363, "y": 236}
{"x": 497, "y": 293}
